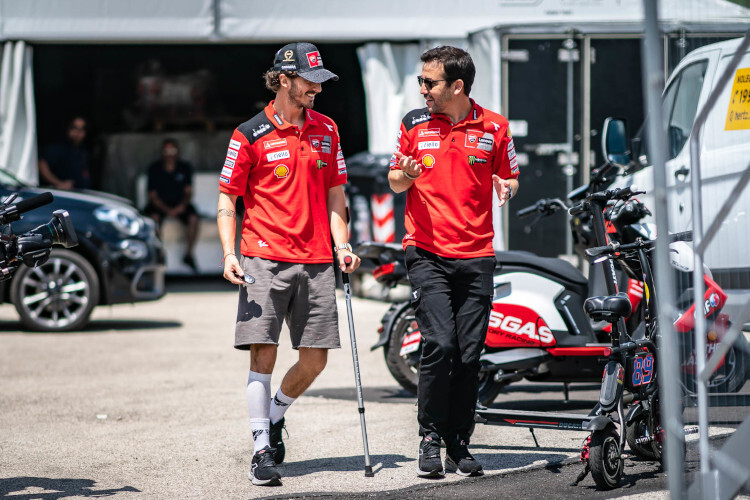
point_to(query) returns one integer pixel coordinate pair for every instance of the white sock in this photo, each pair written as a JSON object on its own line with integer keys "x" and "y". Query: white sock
{"x": 279, "y": 404}
{"x": 258, "y": 403}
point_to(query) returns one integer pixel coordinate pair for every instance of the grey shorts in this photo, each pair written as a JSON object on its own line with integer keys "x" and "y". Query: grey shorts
{"x": 303, "y": 294}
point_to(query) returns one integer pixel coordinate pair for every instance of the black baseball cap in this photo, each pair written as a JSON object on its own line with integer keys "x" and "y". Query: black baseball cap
{"x": 304, "y": 58}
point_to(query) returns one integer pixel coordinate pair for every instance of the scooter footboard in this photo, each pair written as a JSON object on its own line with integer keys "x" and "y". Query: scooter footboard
{"x": 545, "y": 420}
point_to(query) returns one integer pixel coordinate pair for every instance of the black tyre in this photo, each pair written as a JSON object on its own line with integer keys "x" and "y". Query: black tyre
{"x": 405, "y": 369}
{"x": 57, "y": 296}
{"x": 605, "y": 458}
{"x": 639, "y": 428}
{"x": 488, "y": 388}
{"x": 731, "y": 375}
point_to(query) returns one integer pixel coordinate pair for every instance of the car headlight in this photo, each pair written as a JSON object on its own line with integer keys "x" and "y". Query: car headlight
{"x": 126, "y": 220}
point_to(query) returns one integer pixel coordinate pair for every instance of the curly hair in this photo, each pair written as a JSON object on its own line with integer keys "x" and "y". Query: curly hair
{"x": 272, "y": 78}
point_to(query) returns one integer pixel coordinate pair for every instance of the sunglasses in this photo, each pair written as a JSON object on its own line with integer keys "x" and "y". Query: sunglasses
{"x": 429, "y": 84}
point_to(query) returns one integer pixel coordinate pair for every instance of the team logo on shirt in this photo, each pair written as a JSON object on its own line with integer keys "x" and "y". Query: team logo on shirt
{"x": 428, "y": 161}
{"x": 314, "y": 59}
{"x": 421, "y": 118}
{"x": 278, "y": 155}
{"x": 428, "y": 145}
{"x": 274, "y": 144}
{"x": 321, "y": 143}
{"x": 486, "y": 142}
{"x": 281, "y": 171}
{"x": 264, "y": 127}
{"x": 473, "y": 159}
{"x": 427, "y": 132}
{"x": 472, "y": 137}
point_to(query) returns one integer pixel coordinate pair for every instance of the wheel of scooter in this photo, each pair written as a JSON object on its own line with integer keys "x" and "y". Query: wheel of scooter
{"x": 731, "y": 375}
{"x": 488, "y": 388}
{"x": 636, "y": 429}
{"x": 405, "y": 369}
{"x": 605, "y": 458}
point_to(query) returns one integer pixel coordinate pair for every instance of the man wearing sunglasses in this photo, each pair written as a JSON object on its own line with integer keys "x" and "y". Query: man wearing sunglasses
{"x": 287, "y": 164}
{"x": 450, "y": 155}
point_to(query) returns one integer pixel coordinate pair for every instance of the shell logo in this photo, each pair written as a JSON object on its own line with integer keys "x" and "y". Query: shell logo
{"x": 428, "y": 161}
{"x": 281, "y": 171}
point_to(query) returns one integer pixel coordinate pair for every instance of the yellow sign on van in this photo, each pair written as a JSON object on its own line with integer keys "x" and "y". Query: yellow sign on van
{"x": 738, "y": 116}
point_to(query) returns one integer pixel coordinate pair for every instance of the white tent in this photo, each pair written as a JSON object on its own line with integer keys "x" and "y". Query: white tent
{"x": 319, "y": 20}
{"x": 393, "y": 33}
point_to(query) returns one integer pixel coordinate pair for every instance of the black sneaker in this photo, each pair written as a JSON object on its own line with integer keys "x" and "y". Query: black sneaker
{"x": 459, "y": 460}
{"x": 190, "y": 262}
{"x": 430, "y": 464}
{"x": 274, "y": 436}
{"x": 263, "y": 469}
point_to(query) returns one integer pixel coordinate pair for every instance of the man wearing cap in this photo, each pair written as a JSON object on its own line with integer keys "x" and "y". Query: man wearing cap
{"x": 450, "y": 155}
{"x": 286, "y": 163}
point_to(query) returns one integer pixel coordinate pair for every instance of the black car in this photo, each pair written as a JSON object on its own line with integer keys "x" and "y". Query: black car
{"x": 118, "y": 259}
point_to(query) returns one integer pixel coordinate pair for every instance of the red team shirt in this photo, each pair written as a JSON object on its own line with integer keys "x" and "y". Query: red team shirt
{"x": 449, "y": 207}
{"x": 283, "y": 175}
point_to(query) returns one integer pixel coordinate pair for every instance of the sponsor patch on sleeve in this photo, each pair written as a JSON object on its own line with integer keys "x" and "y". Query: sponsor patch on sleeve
{"x": 226, "y": 172}
{"x": 234, "y": 144}
{"x": 223, "y": 179}
{"x": 514, "y": 165}
{"x": 231, "y": 153}
{"x": 229, "y": 163}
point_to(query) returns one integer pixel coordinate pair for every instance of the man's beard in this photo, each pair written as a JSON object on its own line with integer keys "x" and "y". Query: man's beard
{"x": 298, "y": 98}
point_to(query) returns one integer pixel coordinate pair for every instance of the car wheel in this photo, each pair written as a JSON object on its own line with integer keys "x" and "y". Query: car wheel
{"x": 57, "y": 296}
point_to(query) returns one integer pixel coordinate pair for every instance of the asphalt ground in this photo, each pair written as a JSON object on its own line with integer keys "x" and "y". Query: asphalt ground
{"x": 148, "y": 402}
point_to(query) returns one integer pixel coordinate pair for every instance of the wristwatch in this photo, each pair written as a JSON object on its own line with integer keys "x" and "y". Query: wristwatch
{"x": 343, "y": 246}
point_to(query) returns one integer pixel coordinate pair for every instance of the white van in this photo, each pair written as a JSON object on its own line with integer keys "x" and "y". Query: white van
{"x": 724, "y": 156}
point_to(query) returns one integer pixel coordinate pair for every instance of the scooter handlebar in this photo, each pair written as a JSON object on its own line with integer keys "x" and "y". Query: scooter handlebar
{"x": 525, "y": 212}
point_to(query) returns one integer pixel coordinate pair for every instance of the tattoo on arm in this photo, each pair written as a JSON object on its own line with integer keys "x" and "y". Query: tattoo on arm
{"x": 224, "y": 212}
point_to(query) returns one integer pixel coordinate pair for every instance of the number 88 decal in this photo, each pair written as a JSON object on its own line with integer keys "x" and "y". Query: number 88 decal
{"x": 643, "y": 369}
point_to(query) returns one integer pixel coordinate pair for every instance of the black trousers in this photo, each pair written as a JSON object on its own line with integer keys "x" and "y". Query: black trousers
{"x": 452, "y": 300}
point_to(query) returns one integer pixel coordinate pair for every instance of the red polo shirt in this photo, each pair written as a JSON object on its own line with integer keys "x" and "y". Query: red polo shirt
{"x": 449, "y": 207}
{"x": 283, "y": 175}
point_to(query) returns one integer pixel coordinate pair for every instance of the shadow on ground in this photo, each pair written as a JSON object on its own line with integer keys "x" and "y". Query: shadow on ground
{"x": 387, "y": 394}
{"x": 27, "y": 488}
{"x": 98, "y": 326}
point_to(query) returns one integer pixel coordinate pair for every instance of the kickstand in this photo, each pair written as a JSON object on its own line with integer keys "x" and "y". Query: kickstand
{"x": 583, "y": 474}
{"x": 531, "y": 429}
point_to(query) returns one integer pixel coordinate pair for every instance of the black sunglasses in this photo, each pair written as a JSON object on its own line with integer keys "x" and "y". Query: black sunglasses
{"x": 429, "y": 84}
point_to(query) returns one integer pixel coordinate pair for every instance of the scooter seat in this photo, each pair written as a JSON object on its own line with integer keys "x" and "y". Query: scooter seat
{"x": 555, "y": 267}
{"x": 609, "y": 308}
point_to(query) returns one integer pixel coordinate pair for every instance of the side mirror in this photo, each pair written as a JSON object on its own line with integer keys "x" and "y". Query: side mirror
{"x": 615, "y": 142}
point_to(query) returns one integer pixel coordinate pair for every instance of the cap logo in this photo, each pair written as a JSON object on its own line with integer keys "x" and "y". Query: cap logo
{"x": 288, "y": 56}
{"x": 314, "y": 59}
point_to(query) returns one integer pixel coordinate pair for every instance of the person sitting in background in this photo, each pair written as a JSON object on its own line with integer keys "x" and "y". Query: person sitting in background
{"x": 65, "y": 164}
{"x": 170, "y": 189}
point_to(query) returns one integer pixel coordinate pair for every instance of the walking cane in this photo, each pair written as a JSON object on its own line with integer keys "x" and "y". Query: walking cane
{"x": 355, "y": 359}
